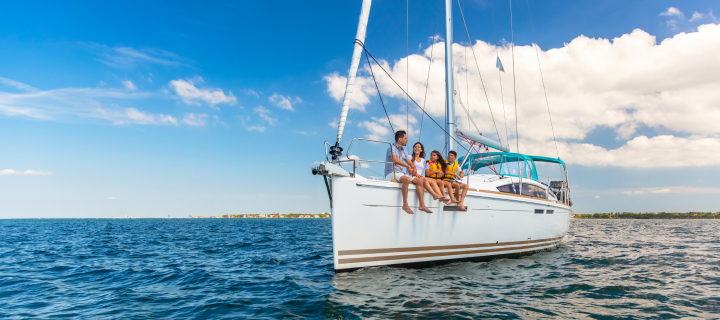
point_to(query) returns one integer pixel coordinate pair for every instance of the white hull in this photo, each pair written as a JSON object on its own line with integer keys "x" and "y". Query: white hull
{"x": 370, "y": 228}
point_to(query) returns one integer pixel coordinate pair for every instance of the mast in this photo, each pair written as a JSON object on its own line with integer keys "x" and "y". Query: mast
{"x": 336, "y": 151}
{"x": 449, "y": 87}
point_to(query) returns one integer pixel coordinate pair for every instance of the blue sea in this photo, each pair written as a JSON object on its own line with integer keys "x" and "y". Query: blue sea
{"x": 282, "y": 268}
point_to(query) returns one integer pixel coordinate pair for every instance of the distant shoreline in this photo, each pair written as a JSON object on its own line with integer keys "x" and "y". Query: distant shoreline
{"x": 650, "y": 215}
{"x": 280, "y": 216}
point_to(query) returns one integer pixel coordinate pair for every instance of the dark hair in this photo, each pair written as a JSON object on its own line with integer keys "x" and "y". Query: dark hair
{"x": 399, "y": 134}
{"x": 453, "y": 152}
{"x": 422, "y": 150}
{"x": 443, "y": 165}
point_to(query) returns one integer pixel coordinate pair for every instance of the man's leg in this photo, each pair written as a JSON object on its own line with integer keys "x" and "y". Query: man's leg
{"x": 419, "y": 183}
{"x": 454, "y": 191}
{"x": 448, "y": 185}
{"x": 405, "y": 184}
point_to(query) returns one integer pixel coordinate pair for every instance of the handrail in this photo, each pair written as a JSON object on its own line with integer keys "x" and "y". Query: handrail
{"x": 363, "y": 139}
{"x": 354, "y": 161}
{"x": 369, "y": 140}
{"x": 326, "y": 150}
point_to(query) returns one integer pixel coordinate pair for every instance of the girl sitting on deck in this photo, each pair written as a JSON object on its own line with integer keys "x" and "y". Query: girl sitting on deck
{"x": 435, "y": 169}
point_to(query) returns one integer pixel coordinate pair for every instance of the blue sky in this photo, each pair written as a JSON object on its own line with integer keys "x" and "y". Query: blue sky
{"x": 149, "y": 109}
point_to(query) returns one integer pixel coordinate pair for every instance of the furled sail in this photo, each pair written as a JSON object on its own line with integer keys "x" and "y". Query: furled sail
{"x": 357, "y": 52}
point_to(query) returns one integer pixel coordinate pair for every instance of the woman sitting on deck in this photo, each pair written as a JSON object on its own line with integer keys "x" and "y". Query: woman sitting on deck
{"x": 431, "y": 185}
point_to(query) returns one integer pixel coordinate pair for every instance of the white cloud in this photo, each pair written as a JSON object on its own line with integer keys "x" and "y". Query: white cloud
{"x": 190, "y": 94}
{"x": 334, "y": 123}
{"x": 698, "y": 16}
{"x": 625, "y": 83}
{"x": 95, "y": 103}
{"x": 671, "y": 190}
{"x": 264, "y": 113}
{"x": 672, "y": 11}
{"x": 135, "y": 116}
{"x": 5, "y": 172}
{"x": 283, "y": 102}
{"x": 256, "y": 128}
{"x": 194, "y": 120}
{"x": 361, "y": 90}
{"x": 251, "y": 92}
{"x": 642, "y": 152}
{"x": 130, "y": 57}
{"x": 128, "y": 84}
{"x": 379, "y": 129}
{"x": 17, "y": 85}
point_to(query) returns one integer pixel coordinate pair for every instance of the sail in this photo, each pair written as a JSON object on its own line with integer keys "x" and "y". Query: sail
{"x": 357, "y": 53}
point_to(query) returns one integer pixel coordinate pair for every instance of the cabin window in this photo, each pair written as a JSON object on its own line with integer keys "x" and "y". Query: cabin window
{"x": 529, "y": 190}
{"x": 549, "y": 211}
{"x": 534, "y": 191}
{"x": 539, "y": 211}
{"x": 508, "y": 188}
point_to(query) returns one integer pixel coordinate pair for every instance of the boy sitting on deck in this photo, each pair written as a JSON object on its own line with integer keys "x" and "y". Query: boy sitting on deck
{"x": 453, "y": 172}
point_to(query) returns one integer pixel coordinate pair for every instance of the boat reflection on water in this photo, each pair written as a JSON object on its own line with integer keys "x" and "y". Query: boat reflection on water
{"x": 471, "y": 289}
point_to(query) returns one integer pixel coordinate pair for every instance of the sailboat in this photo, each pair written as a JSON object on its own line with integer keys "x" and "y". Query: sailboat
{"x": 510, "y": 212}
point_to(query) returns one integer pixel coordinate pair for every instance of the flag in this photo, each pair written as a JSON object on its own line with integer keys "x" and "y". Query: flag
{"x": 499, "y": 65}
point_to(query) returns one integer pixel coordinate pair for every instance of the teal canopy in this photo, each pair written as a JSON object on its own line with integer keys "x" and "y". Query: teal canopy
{"x": 500, "y": 159}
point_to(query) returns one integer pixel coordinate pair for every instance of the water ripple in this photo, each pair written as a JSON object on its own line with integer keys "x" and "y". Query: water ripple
{"x": 282, "y": 268}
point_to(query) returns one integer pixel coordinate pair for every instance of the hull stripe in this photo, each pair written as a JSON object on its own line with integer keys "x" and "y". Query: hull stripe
{"x": 462, "y": 246}
{"x": 441, "y": 254}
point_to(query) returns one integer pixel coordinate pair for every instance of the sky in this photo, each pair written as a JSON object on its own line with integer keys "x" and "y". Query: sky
{"x": 150, "y": 109}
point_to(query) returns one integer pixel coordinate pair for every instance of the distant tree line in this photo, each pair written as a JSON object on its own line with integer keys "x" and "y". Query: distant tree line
{"x": 650, "y": 215}
{"x": 278, "y": 215}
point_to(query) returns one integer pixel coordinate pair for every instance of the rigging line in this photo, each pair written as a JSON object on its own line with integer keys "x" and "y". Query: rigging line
{"x": 427, "y": 82}
{"x": 502, "y": 95}
{"x": 368, "y": 54}
{"x": 467, "y": 111}
{"x": 376, "y": 87}
{"x": 512, "y": 46}
{"x": 557, "y": 152}
{"x": 467, "y": 83}
{"x": 479, "y": 74}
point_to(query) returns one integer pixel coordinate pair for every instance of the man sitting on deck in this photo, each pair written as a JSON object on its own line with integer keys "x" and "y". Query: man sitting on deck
{"x": 401, "y": 159}
{"x": 454, "y": 174}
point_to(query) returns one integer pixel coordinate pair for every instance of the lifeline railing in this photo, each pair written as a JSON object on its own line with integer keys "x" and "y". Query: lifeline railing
{"x": 355, "y": 161}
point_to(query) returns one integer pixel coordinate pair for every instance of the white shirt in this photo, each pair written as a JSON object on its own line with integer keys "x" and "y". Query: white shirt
{"x": 420, "y": 166}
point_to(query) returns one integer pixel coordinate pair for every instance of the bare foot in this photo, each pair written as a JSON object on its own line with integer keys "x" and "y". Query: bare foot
{"x": 456, "y": 201}
{"x": 424, "y": 208}
{"x": 447, "y": 202}
{"x": 407, "y": 209}
{"x": 462, "y": 207}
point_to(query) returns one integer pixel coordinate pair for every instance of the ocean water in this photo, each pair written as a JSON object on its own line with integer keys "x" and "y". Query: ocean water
{"x": 282, "y": 268}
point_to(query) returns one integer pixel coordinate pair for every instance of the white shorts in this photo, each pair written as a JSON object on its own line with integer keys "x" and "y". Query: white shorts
{"x": 397, "y": 176}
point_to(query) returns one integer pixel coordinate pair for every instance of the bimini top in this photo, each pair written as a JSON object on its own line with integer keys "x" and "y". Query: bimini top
{"x": 482, "y": 160}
